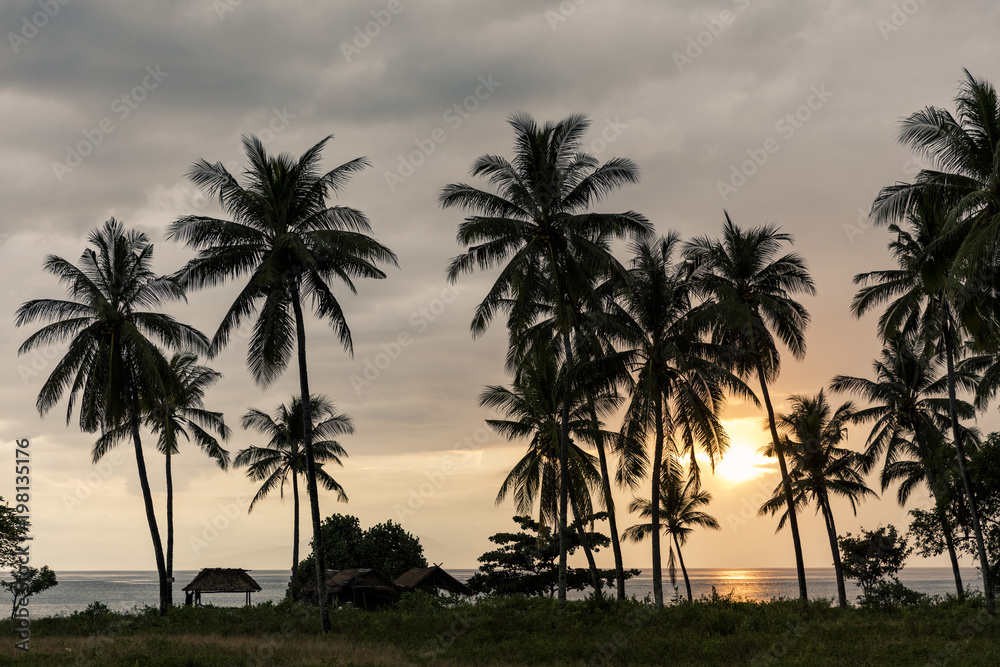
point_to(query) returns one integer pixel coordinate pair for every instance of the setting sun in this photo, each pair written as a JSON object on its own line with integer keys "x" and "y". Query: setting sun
{"x": 744, "y": 460}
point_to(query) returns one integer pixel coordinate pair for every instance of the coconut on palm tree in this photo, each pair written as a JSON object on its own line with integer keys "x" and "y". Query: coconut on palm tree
{"x": 749, "y": 296}
{"x": 283, "y": 457}
{"x": 112, "y": 365}
{"x": 290, "y": 247}
{"x": 681, "y": 503}
{"x": 537, "y": 226}
{"x": 820, "y": 468}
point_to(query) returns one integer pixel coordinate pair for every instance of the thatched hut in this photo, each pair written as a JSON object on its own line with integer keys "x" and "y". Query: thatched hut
{"x": 361, "y": 587}
{"x": 219, "y": 580}
{"x": 431, "y": 580}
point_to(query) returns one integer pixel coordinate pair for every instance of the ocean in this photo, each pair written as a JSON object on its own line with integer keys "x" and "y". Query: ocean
{"x": 125, "y": 589}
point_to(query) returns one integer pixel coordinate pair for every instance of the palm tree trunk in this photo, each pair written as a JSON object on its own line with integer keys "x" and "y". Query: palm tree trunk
{"x": 300, "y": 331}
{"x": 786, "y": 483}
{"x": 295, "y": 535}
{"x": 595, "y": 577}
{"x": 680, "y": 559}
{"x": 838, "y": 566}
{"x": 564, "y": 465}
{"x": 942, "y": 515}
{"x": 147, "y": 498}
{"x": 963, "y": 466}
{"x": 609, "y": 502}
{"x": 655, "y": 502}
{"x": 170, "y": 527}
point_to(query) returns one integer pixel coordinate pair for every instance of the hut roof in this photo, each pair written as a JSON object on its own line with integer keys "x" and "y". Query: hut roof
{"x": 358, "y": 578}
{"x": 432, "y": 577}
{"x": 222, "y": 580}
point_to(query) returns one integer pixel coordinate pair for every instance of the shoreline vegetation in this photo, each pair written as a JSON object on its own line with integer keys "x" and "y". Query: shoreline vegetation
{"x": 515, "y": 630}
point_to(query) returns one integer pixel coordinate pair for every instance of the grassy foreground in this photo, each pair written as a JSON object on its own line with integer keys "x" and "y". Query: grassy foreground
{"x": 518, "y": 631}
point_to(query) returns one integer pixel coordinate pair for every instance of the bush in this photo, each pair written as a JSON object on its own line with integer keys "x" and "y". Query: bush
{"x": 888, "y": 595}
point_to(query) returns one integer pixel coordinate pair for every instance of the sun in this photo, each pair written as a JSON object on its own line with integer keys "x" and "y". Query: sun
{"x": 741, "y": 463}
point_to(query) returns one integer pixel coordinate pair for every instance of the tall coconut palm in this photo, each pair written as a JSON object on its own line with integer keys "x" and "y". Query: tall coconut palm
{"x": 537, "y": 225}
{"x": 749, "y": 292}
{"x": 680, "y": 384}
{"x": 963, "y": 184}
{"x": 290, "y": 246}
{"x": 179, "y": 411}
{"x": 680, "y": 511}
{"x": 112, "y": 365}
{"x": 284, "y": 456}
{"x": 819, "y": 466}
{"x": 926, "y": 297}
{"x": 532, "y": 406}
{"x": 909, "y": 414}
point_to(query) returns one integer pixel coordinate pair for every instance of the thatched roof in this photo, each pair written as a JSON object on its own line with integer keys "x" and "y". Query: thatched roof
{"x": 358, "y": 578}
{"x": 432, "y": 579}
{"x": 222, "y": 580}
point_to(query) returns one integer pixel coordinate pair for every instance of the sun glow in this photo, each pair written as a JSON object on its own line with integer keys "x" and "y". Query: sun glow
{"x": 744, "y": 460}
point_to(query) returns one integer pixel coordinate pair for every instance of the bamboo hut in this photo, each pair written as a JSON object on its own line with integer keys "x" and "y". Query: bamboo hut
{"x": 431, "y": 580}
{"x": 363, "y": 588}
{"x": 219, "y": 580}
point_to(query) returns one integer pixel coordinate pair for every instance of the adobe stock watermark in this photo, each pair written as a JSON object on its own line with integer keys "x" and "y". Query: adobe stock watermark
{"x": 417, "y": 496}
{"x": 419, "y": 320}
{"x": 899, "y": 16}
{"x": 84, "y": 488}
{"x": 363, "y": 35}
{"x": 562, "y": 12}
{"x": 713, "y": 27}
{"x": 223, "y": 7}
{"x": 213, "y": 528}
{"x": 454, "y": 116}
{"x": 30, "y": 25}
{"x": 122, "y": 107}
{"x": 786, "y": 127}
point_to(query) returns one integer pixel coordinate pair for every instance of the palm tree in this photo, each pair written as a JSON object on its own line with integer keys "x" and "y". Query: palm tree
{"x": 963, "y": 185}
{"x": 680, "y": 503}
{"x": 112, "y": 364}
{"x": 539, "y": 228}
{"x": 290, "y": 245}
{"x": 284, "y": 457}
{"x": 925, "y": 297}
{"x": 909, "y": 411}
{"x": 820, "y": 468}
{"x": 532, "y": 406}
{"x": 749, "y": 293}
{"x": 180, "y": 411}
{"x": 679, "y": 387}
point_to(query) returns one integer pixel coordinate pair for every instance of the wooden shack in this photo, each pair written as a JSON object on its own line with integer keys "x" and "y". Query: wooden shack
{"x": 431, "y": 580}
{"x": 362, "y": 587}
{"x": 219, "y": 580}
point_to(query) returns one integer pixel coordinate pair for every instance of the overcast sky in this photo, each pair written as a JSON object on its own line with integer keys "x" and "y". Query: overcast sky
{"x": 778, "y": 112}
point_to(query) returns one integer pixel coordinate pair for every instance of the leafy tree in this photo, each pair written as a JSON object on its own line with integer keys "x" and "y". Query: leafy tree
{"x": 12, "y": 530}
{"x": 27, "y": 581}
{"x": 290, "y": 246}
{"x": 386, "y": 548}
{"x": 874, "y": 556}
{"x": 284, "y": 457}
{"x": 749, "y": 292}
{"x": 526, "y": 562}
{"x": 538, "y": 227}
{"x": 112, "y": 364}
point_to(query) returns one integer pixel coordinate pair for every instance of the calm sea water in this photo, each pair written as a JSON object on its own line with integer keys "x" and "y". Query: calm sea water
{"x": 124, "y": 590}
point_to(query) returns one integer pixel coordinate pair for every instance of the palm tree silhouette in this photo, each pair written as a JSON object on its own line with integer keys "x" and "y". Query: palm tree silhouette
{"x": 679, "y": 386}
{"x": 819, "y": 467}
{"x": 112, "y": 366}
{"x": 284, "y": 457}
{"x": 749, "y": 295}
{"x": 539, "y": 228}
{"x": 290, "y": 245}
{"x": 680, "y": 511}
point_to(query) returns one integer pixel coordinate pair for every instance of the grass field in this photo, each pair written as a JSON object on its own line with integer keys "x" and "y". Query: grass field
{"x": 518, "y": 631}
